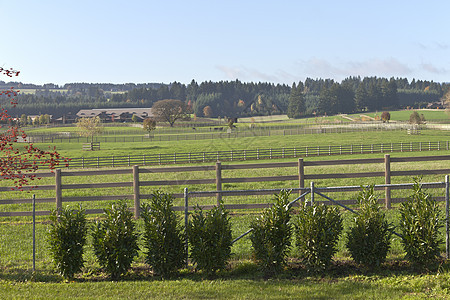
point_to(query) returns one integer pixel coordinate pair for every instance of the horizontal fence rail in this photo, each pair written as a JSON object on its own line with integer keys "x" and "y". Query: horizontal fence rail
{"x": 218, "y": 133}
{"x": 219, "y": 180}
{"x": 256, "y": 154}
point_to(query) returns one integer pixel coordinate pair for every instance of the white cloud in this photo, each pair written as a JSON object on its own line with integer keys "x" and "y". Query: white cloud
{"x": 246, "y": 74}
{"x": 338, "y": 70}
{"x": 441, "y": 46}
{"x": 433, "y": 69}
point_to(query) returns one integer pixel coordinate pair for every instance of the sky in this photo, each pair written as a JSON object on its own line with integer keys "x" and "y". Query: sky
{"x": 278, "y": 41}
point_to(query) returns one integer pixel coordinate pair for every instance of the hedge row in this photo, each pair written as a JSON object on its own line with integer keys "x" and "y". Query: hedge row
{"x": 314, "y": 230}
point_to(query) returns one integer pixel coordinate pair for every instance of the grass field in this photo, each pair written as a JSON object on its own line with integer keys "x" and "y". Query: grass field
{"x": 74, "y": 149}
{"x": 242, "y": 279}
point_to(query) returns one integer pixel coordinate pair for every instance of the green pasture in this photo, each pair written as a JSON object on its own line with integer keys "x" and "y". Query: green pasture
{"x": 396, "y": 115}
{"x": 123, "y": 149}
{"x": 74, "y": 149}
{"x": 242, "y": 279}
{"x": 403, "y": 115}
{"x": 33, "y": 91}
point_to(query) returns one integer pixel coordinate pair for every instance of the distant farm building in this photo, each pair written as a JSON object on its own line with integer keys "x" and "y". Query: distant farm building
{"x": 116, "y": 114}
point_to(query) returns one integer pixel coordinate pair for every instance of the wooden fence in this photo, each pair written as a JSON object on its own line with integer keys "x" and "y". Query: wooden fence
{"x": 256, "y": 154}
{"x": 219, "y": 133}
{"x": 300, "y": 176}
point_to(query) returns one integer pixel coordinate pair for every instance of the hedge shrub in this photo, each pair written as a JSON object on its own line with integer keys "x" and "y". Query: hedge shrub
{"x": 271, "y": 235}
{"x": 67, "y": 238}
{"x": 210, "y": 239}
{"x": 317, "y": 231}
{"x": 420, "y": 221}
{"x": 369, "y": 238}
{"x": 163, "y": 236}
{"x": 115, "y": 240}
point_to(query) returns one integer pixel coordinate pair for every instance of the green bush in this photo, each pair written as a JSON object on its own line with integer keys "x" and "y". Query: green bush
{"x": 317, "y": 230}
{"x": 115, "y": 240}
{"x": 369, "y": 238}
{"x": 67, "y": 238}
{"x": 163, "y": 237}
{"x": 271, "y": 235}
{"x": 210, "y": 239}
{"x": 419, "y": 225}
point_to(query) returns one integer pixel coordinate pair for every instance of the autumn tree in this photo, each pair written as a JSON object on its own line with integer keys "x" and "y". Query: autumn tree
{"x": 446, "y": 101}
{"x": 149, "y": 125}
{"x": 170, "y": 110}
{"x": 385, "y": 116}
{"x": 23, "y": 119}
{"x": 416, "y": 119}
{"x": 88, "y": 127}
{"x": 19, "y": 162}
{"x": 207, "y": 111}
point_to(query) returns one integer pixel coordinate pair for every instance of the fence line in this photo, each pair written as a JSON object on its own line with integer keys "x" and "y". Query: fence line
{"x": 256, "y": 154}
{"x": 221, "y": 133}
{"x": 300, "y": 176}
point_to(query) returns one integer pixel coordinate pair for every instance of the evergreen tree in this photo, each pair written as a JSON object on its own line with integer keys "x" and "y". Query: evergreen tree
{"x": 361, "y": 97}
{"x": 296, "y": 106}
{"x": 389, "y": 91}
{"x": 374, "y": 96}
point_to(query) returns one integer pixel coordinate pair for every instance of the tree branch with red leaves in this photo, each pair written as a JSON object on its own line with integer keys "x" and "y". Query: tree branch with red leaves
{"x": 20, "y": 159}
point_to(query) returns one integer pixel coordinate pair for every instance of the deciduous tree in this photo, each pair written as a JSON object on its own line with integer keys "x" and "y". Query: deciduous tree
{"x": 90, "y": 127}
{"x": 18, "y": 163}
{"x": 385, "y": 116}
{"x": 170, "y": 110}
{"x": 149, "y": 125}
{"x": 446, "y": 101}
{"x": 207, "y": 111}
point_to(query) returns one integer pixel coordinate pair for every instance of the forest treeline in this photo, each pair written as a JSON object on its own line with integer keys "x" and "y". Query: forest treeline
{"x": 234, "y": 98}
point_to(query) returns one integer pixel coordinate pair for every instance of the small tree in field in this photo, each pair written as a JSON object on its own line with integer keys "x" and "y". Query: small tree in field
{"x": 385, "y": 116}
{"x": 17, "y": 162}
{"x": 207, "y": 111}
{"x": 446, "y": 101}
{"x": 416, "y": 119}
{"x": 149, "y": 125}
{"x": 90, "y": 127}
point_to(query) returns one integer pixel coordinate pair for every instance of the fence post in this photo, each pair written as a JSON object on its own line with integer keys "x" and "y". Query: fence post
{"x": 34, "y": 232}
{"x": 387, "y": 179}
{"x": 447, "y": 229}
{"x": 301, "y": 176}
{"x": 58, "y": 190}
{"x": 219, "y": 181}
{"x": 312, "y": 193}
{"x": 186, "y": 224}
{"x": 136, "y": 192}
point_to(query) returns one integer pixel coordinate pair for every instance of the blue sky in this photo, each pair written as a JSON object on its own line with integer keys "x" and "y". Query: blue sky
{"x": 275, "y": 41}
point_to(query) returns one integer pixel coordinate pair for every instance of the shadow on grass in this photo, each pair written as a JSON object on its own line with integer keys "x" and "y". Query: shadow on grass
{"x": 25, "y": 275}
{"x": 237, "y": 270}
{"x": 145, "y": 148}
